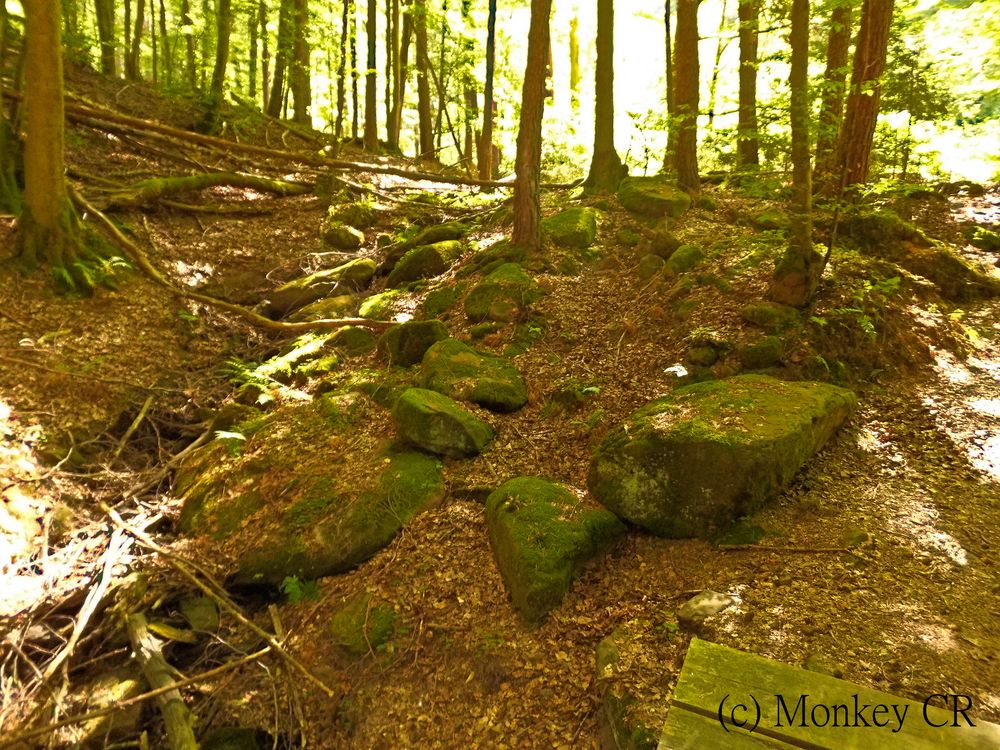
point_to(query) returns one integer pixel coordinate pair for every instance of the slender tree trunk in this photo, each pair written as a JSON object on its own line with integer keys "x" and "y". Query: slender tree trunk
{"x": 10, "y": 192}
{"x": 527, "y": 211}
{"x": 401, "y": 74}
{"x": 686, "y": 92}
{"x": 426, "y": 150}
{"x": 253, "y": 23}
{"x": 152, "y": 42}
{"x": 797, "y": 273}
{"x": 442, "y": 84}
{"x": 392, "y": 98}
{"x": 167, "y": 57}
{"x": 265, "y": 58}
{"x": 747, "y": 139}
{"x": 105, "y": 12}
{"x": 855, "y": 144}
{"x": 371, "y": 81}
{"x": 486, "y": 165}
{"x": 301, "y": 70}
{"x": 132, "y": 71}
{"x": 223, "y": 26}
{"x": 668, "y": 157}
{"x": 355, "y": 109}
{"x": 720, "y": 46}
{"x": 390, "y": 57}
{"x": 192, "y": 65}
{"x": 574, "y": 62}
{"x": 341, "y": 76}
{"x": 831, "y": 108}
{"x": 127, "y": 39}
{"x": 286, "y": 22}
{"x": 48, "y": 229}
{"x": 606, "y": 169}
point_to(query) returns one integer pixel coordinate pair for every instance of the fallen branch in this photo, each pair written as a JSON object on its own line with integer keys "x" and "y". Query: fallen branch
{"x": 226, "y": 209}
{"x": 765, "y": 548}
{"x": 137, "y": 256}
{"x": 176, "y": 717}
{"x": 149, "y": 191}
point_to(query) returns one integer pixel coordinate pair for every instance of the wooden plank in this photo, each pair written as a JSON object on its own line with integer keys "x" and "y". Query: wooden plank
{"x": 814, "y": 710}
{"x": 685, "y": 730}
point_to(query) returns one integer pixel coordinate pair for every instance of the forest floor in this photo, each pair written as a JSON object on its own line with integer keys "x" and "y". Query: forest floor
{"x": 883, "y": 562}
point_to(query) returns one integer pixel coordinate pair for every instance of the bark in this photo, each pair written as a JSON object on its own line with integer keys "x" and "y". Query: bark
{"x": 686, "y": 80}
{"x": 132, "y": 71}
{"x": 855, "y": 144}
{"x": 167, "y": 57}
{"x": 371, "y": 81}
{"x": 720, "y": 45}
{"x": 668, "y": 157}
{"x": 48, "y": 229}
{"x": 10, "y": 192}
{"x": 286, "y": 22}
{"x": 426, "y": 149}
{"x": 747, "y": 139}
{"x": 606, "y": 169}
{"x": 401, "y": 74}
{"x": 105, "y": 12}
{"x": 797, "y": 274}
{"x": 149, "y": 191}
{"x": 354, "y": 70}
{"x": 486, "y": 166}
{"x": 223, "y": 21}
{"x": 301, "y": 70}
{"x": 393, "y": 99}
{"x": 442, "y": 80}
{"x": 265, "y": 57}
{"x": 574, "y": 61}
{"x": 338, "y": 129}
{"x": 253, "y": 23}
{"x": 527, "y": 224}
{"x": 391, "y": 19}
{"x": 831, "y": 108}
{"x": 192, "y": 66}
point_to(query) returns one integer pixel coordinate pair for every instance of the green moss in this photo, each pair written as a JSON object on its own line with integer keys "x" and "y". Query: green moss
{"x": 650, "y": 266}
{"x": 438, "y": 425}
{"x": 305, "y": 513}
{"x": 353, "y": 340}
{"x": 763, "y": 354}
{"x": 459, "y": 371}
{"x": 381, "y": 306}
{"x": 361, "y": 214}
{"x": 685, "y": 258}
{"x": 439, "y": 300}
{"x": 574, "y": 227}
{"x": 425, "y": 262}
{"x": 772, "y": 218}
{"x": 405, "y": 344}
{"x": 340, "y": 236}
{"x": 983, "y": 238}
{"x": 771, "y": 317}
{"x": 481, "y": 330}
{"x": 362, "y": 625}
{"x": 488, "y": 260}
{"x": 504, "y": 295}
{"x": 652, "y": 196}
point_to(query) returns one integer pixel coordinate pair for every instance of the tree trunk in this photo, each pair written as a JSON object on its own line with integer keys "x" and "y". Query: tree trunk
{"x": 132, "y": 61}
{"x": 354, "y": 70}
{"x": 192, "y": 67}
{"x": 855, "y": 144}
{"x": 402, "y": 70}
{"x": 286, "y": 22}
{"x": 391, "y": 19}
{"x": 338, "y": 129}
{"x": 747, "y": 138}
{"x": 105, "y": 12}
{"x": 720, "y": 45}
{"x": 301, "y": 70}
{"x": 574, "y": 62}
{"x": 486, "y": 165}
{"x": 253, "y": 23}
{"x": 442, "y": 83}
{"x": 527, "y": 211}
{"x": 426, "y": 150}
{"x": 371, "y": 81}
{"x": 606, "y": 169}
{"x": 10, "y": 152}
{"x": 223, "y": 26}
{"x": 668, "y": 157}
{"x": 265, "y": 58}
{"x": 831, "y": 108}
{"x": 48, "y": 229}
{"x": 797, "y": 273}
{"x": 152, "y": 42}
{"x": 167, "y": 58}
{"x": 686, "y": 92}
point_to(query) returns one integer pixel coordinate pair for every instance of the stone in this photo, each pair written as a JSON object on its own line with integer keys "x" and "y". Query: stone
{"x": 772, "y": 218}
{"x": 984, "y": 239}
{"x": 351, "y": 276}
{"x": 342, "y": 237}
{"x": 330, "y": 308}
{"x": 435, "y": 423}
{"x": 439, "y": 301}
{"x": 236, "y": 738}
{"x": 362, "y": 625}
{"x": 362, "y": 214}
{"x": 542, "y": 535}
{"x": 685, "y": 258}
{"x": 700, "y": 607}
{"x": 449, "y": 230}
{"x": 461, "y": 372}
{"x": 653, "y": 196}
{"x": 201, "y": 613}
{"x": 285, "y": 505}
{"x": 663, "y": 242}
{"x": 353, "y": 340}
{"x": 381, "y": 306}
{"x": 406, "y": 343}
{"x": 425, "y": 262}
{"x": 503, "y": 296}
{"x": 650, "y": 266}
{"x": 574, "y": 227}
{"x": 690, "y": 463}
{"x": 107, "y": 690}
{"x": 762, "y": 354}
{"x": 772, "y": 317}
{"x": 703, "y": 356}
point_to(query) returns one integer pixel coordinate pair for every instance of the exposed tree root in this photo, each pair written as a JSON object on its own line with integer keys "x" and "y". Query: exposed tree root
{"x": 137, "y": 256}
{"x": 149, "y": 191}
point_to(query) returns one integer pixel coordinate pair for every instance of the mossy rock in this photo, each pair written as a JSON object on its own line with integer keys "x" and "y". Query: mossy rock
{"x": 983, "y": 238}
{"x": 488, "y": 260}
{"x": 628, "y": 237}
{"x": 362, "y": 625}
{"x": 876, "y": 228}
{"x": 341, "y": 236}
{"x": 773, "y": 318}
{"x": 461, "y": 372}
{"x": 763, "y": 354}
{"x": 439, "y": 301}
{"x": 406, "y": 343}
{"x": 542, "y": 535}
{"x": 650, "y": 266}
{"x": 383, "y": 386}
{"x": 449, "y": 230}
{"x": 361, "y": 214}
{"x": 503, "y": 296}
{"x": 617, "y": 726}
{"x": 653, "y": 196}
{"x": 201, "y": 613}
{"x": 330, "y": 308}
{"x": 435, "y": 423}
{"x": 381, "y": 306}
{"x": 693, "y": 462}
{"x": 662, "y": 242}
{"x": 574, "y": 227}
{"x": 685, "y": 258}
{"x": 106, "y": 691}
{"x": 236, "y": 738}
{"x": 955, "y": 278}
{"x": 772, "y": 218}
{"x": 351, "y": 276}
{"x": 706, "y": 202}
{"x": 353, "y": 340}
{"x": 425, "y": 262}
{"x": 702, "y": 356}
{"x": 286, "y": 505}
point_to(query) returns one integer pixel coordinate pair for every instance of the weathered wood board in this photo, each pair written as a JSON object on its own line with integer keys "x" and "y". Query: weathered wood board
{"x": 723, "y": 693}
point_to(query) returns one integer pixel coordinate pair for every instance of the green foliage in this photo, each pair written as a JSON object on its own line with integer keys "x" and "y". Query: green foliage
{"x": 297, "y": 590}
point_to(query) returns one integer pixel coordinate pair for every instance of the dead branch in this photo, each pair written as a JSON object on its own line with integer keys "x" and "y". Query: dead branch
{"x": 765, "y": 548}
{"x": 159, "y": 674}
{"x": 149, "y": 191}
{"x": 229, "y": 208}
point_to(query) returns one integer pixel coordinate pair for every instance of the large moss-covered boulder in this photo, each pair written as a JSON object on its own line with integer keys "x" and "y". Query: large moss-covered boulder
{"x": 329, "y": 308}
{"x": 653, "y": 196}
{"x": 425, "y": 262}
{"x": 291, "y": 494}
{"x": 542, "y": 534}
{"x": 772, "y": 317}
{"x": 381, "y": 306}
{"x": 574, "y": 227}
{"x": 437, "y": 424}
{"x": 342, "y": 236}
{"x": 362, "y": 625}
{"x": 459, "y": 371}
{"x": 406, "y": 343}
{"x": 347, "y": 277}
{"x": 694, "y": 461}
{"x": 361, "y": 214}
{"x": 504, "y": 295}
{"x": 449, "y": 230}
{"x": 353, "y": 340}
{"x": 685, "y": 258}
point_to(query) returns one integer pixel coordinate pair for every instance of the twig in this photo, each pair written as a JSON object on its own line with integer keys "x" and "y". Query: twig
{"x": 134, "y": 426}
{"x": 765, "y": 548}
